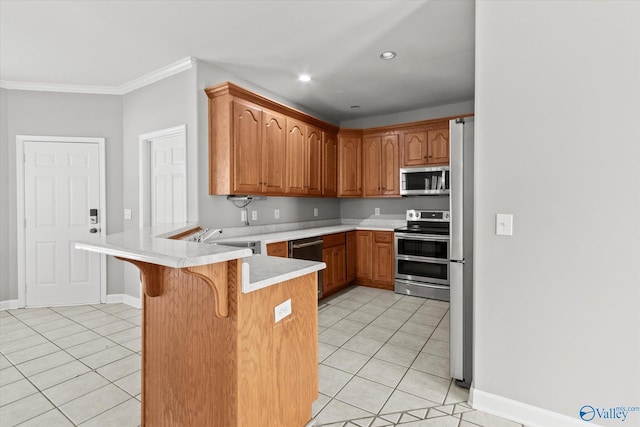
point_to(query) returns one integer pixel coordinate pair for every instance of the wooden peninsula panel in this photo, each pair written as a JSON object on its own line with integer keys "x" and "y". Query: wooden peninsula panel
{"x": 214, "y": 356}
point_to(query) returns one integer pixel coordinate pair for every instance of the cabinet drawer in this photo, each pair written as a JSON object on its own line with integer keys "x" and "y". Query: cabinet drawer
{"x": 383, "y": 236}
{"x": 280, "y": 249}
{"x": 333, "y": 240}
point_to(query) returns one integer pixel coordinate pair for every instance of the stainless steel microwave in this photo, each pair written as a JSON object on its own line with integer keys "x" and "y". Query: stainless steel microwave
{"x": 424, "y": 181}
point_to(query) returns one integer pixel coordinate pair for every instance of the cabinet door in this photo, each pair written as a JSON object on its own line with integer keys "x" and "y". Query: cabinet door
{"x": 339, "y": 265}
{"x": 364, "y": 242}
{"x": 389, "y": 166}
{"x": 414, "y": 148}
{"x": 351, "y": 256}
{"x": 330, "y": 165}
{"x": 328, "y": 275}
{"x": 349, "y": 166}
{"x": 273, "y": 153}
{"x": 438, "y": 147}
{"x": 280, "y": 249}
{"x": 314, "y": 161}
{"x": 247, "y": 155}
{"x": 371, "y": 165}
{"x": 383, "y": 258}
{"x": 296, "y": 157}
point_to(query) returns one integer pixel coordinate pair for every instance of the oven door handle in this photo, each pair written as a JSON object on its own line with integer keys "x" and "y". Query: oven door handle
{"x": 422, "y": 259}
{"x": 416, "y": 236}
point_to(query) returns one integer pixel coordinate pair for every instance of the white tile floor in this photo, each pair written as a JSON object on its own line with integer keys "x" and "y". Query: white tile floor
{"x": 384, "y": 361}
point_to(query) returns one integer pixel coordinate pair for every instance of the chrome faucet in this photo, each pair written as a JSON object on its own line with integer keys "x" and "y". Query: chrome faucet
{"x": 206, "y": 233}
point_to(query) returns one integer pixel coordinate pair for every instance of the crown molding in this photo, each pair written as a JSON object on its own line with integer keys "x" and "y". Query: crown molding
{"x": 54, "y": 87}
{"x": 147, "y": 79}
{"x": 157, "y": 75}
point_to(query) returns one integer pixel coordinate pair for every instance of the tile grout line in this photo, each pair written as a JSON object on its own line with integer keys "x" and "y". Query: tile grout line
{"x": 41, "y": 391}
{"x": 373, "y": 356}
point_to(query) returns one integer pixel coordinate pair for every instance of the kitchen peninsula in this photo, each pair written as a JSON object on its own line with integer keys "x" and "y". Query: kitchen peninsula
{"x": 218, "y": 348}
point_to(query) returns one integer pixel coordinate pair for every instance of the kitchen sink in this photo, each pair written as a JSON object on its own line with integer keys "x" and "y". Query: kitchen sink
{"x": 253, "y": 245}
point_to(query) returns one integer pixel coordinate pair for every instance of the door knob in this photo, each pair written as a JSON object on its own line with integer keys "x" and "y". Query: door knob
{"x": 93, "y": 230}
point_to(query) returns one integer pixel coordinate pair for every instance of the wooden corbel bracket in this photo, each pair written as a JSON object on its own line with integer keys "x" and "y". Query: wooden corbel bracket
{"x": 153, "y": 277}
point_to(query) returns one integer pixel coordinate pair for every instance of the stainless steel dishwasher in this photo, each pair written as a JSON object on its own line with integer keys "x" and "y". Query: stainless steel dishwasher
{"x": 309, "y": 249}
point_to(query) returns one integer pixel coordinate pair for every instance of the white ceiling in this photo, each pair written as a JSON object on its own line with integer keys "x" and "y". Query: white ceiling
{"x": 111, "y": 43}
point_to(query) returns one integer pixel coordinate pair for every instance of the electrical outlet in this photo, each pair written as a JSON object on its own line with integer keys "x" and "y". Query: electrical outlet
{"x": 315, "y": 211}
{"x": 282, "y": 310}
{"x": 254, "y": 215}
{"x": 243, "y": 216}
{"x": 127, "y": 214}
{"x": 376, "y": 211}
{"x": 276, "y": 213}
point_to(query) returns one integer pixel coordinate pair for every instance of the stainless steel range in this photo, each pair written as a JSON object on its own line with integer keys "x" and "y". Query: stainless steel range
{"x": 422, "y": 255}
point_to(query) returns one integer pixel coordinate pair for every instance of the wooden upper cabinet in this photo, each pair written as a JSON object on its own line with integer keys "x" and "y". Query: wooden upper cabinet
{"x": 304, "y": 159}
{"x": 390, "y": 165}
{"x": 273, "y": 153}
{"x": 414, "y": 148}
{"x": 314, "y": 161}
{"x": 349, "y": 165}
{"x": 247, "y": 123}
{"x": 259, "y": 146}
{"x": 438, "y": 147}
{"x": 296, "y": 158}
{"x": 330, "y": 165}
{"x": 381, "y": 169}
{"x": 427, "y": 145}
{"x": 371, "y": 165}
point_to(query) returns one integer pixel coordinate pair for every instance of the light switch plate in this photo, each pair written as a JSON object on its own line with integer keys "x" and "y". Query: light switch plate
{"x": 127, "y": 214}
{"x": 276, "y": 213}
{"x": 315, "y": 211}
{"x": 282, "y": 310}
{"x": 243, "y": 216}
{"x": 504, "y": 224}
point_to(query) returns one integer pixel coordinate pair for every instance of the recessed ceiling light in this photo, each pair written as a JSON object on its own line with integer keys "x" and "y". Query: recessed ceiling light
{"x": 304, "y": 77}
{"x": 389, "y": 54}
{"x": 355, "y": 107}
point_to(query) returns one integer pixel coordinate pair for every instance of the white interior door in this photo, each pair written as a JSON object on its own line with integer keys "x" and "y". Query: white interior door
{"x": 168, "y": 180}
{"x": 61, "y": 185}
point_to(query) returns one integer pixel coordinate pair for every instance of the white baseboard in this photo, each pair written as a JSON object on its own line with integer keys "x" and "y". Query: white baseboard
{"x": 124, "y": 299}
{"x": 529, "y": 415}
{"x": 9, "y": 304}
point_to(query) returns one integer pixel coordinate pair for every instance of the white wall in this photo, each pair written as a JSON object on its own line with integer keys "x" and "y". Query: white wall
{"x": 60, "y": 114}
{"x": 557, "y": 145}
{"x": 167, "y": 103}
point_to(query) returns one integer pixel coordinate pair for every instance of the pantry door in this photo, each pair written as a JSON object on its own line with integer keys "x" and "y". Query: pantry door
{"x": 62, "y": 205}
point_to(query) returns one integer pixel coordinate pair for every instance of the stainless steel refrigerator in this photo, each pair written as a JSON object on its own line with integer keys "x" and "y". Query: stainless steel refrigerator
{"x": 461, "y": 252}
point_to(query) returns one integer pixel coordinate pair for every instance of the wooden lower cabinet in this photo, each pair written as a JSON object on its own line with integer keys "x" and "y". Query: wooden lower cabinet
{"x": 375, "y": 259}
{"x": 351, "y": 256}
{"x": 280, "y": 249}
{"x": 334, "y": 254}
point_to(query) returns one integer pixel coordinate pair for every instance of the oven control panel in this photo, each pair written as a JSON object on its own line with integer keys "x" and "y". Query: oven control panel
{"x": 419, "y": 215}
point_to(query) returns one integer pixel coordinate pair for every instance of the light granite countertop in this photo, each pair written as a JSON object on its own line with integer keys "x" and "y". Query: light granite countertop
{"x": 303, "y": 233}
{"x": 153, "y": 246}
